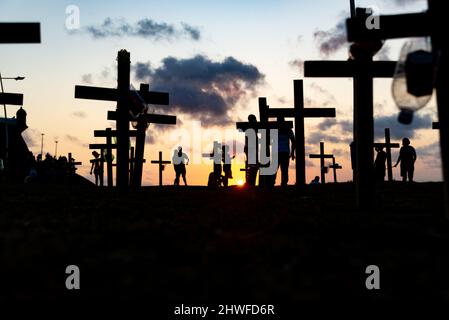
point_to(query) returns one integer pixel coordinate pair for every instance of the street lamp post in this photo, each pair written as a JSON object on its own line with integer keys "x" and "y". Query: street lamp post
{"x": 42, "y": 145}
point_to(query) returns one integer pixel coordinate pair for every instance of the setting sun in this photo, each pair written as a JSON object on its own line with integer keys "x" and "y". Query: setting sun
{"x": 240, "y": 182}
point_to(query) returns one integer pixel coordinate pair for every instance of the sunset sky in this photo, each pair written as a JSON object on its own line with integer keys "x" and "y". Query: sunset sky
{"x": 215, "y": 58}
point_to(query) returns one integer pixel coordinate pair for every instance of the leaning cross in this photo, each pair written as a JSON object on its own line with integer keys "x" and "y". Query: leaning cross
{"x": 322, "y": 156}
{"x": 124, "y": 97}
{"x": 335, "y": 166}
{"x": 161, "y": 164}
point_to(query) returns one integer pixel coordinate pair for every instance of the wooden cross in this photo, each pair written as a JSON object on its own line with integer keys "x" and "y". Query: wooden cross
{"x": 72, "y": 163}
{"x": 109, "y": 134}
{"x": 429, "y": 23}
{"x": 298, "y": 112}
{"x": 161, "y": 164}
{"x": 322, "y": 156}
{"x": 28, "y": 32}
{"x": 388, "y": 146}
{"x": 335, "y": 166}
{"x": 125, "y": 99}
{"x": 363, "y": 70}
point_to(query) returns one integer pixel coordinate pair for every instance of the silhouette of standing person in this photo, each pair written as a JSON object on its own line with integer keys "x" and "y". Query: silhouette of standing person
{"x": 251, "y": 151}
{"x": 96, "y": 167}
{"x": 226, "y": 158}
{"x": 407, "y": 158}
{"x": 284, "y": 154}
{"x": 180, "y": 160}
{"x": 379, "y": 164}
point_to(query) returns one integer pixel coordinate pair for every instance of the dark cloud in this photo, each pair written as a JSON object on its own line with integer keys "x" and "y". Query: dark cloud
{"x": 398, "y": 130}
{"x": 323, "y": 94}
{"x": 144, "y": 28}
{"x": 73, "y": 139}
{"x": 430, "y": 150}
{"x": 79, "y": 114}
{"x": 316, "y": 137}
{"x": 332, "y": 40}
{"x": 204, "y": 89}
{"x": 87, "y": 78}
{"x": 343, "y": 125}
{"x": 407, "y": 2}
{"x": 297, "y": 64}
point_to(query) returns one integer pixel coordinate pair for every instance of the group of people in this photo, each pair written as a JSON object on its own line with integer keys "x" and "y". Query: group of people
{"x": 407, "y": 158}
{"x": 222, "y": 171}
{"x": 48, "y": 170}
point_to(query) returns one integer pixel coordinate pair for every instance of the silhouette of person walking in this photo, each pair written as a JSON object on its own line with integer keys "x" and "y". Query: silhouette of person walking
{"x": 379, "y": 164}
{"x": 226, "y": 158}
{"x": 284, "y": 154}
{"x": 407, "y": 158}
{"x": 180, "y": 160}
{"x": 96, "y": 167}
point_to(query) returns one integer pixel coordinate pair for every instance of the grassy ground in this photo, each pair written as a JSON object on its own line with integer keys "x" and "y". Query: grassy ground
{"x": 197, "y": 244}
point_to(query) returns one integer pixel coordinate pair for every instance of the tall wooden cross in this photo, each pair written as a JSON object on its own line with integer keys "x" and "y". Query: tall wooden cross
{"x": 298, "y": 112}
{"x": 322, "y": 156}
{"x": 125, "y": 103}
{"x": 429, "y": 23}
{"x": 363, "y": 70}
{"x": 388, "y": 146}
{"x": 335, "y": 166}
{"x": 161, "y": 164}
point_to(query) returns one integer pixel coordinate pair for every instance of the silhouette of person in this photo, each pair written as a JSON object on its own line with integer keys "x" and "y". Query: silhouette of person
{"x": 407, "y": 158}
{"x": 96, "y": 167}
{"x": 252, "y": 168}
{"x": 315, "y": 180}
{"x": 226, "y": 158}
{"x": 379, "y": 164}
{"x": 285, "y": 136}
{"x": 180, "y": 160}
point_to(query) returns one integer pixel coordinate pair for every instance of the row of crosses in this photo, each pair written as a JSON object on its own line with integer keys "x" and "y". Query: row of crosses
{"x": 130, "y": 108}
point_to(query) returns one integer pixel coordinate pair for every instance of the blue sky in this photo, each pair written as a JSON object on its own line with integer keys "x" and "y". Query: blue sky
{"x": 266, "y": 34}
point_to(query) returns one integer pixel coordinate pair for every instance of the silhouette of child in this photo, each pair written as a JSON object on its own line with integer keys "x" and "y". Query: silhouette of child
{"x": 407, "y": 158}
{"x": 96, "y": 167}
